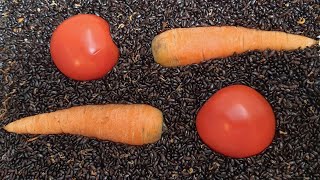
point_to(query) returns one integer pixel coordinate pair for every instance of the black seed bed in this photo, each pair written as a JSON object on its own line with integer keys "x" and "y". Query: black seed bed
{"x": 31, "y": 84}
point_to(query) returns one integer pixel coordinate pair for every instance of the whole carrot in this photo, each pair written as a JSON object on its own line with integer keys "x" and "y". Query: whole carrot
{"x": 184, "y": 46}
{"x": 134, "y": 124}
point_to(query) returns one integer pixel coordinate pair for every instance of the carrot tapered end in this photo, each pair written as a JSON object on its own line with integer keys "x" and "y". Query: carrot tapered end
{"x": 9, "y": 127}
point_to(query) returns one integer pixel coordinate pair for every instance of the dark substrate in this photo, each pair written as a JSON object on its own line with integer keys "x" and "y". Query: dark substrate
{"x": 31, "y": 84}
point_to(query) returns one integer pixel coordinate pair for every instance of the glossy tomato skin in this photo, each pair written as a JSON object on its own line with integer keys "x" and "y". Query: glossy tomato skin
{"x": 82, "y": 47}
{"x": 236, "y": 121}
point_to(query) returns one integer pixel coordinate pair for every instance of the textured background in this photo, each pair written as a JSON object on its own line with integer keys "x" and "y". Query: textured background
{"x": 31, "y": 84}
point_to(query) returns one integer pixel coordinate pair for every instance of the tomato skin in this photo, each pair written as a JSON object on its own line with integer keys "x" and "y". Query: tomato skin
{"x": 237, "y": 122}
{"x": 82, "y": 47}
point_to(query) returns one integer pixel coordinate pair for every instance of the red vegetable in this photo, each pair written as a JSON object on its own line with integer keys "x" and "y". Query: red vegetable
{"x": 82, "y": 47}
{"x": 236, "y": 121}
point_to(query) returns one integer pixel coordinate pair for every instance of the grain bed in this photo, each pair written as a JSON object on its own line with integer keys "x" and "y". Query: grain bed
{"x": 31, "y": 84}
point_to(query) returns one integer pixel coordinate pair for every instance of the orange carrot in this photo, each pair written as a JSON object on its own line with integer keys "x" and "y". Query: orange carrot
{"x": 184, "y": 46}
{"x": 134, "y": 124}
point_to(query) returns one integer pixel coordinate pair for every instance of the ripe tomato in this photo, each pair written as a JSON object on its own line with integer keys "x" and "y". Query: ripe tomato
{"x": 236, "y": 121}
{"x": 82, "y": 47}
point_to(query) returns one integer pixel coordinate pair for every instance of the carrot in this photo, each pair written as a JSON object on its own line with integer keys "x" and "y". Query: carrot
{"x": 134, "y": 124}
{"x": 184, "y": 46}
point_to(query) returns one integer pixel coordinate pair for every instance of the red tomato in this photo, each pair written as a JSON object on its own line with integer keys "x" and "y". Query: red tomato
{"x": 82, "y": 47}
{"x": 236, "y": 121}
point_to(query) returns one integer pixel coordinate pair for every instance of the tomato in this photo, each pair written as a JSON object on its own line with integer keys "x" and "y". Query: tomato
{"x": 236, "y": 121}
{"x": 82, "y": 47}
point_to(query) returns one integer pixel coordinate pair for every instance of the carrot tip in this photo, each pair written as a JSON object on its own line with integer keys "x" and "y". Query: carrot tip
{"x": 6, "y": 128}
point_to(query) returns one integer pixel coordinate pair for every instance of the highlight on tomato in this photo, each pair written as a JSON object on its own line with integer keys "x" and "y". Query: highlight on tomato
{"x": 82, "y": 47}
{"x": 236, "y": 121}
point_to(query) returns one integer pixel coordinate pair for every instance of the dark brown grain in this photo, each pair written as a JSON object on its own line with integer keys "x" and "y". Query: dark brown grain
{"x": 31, "y": 84}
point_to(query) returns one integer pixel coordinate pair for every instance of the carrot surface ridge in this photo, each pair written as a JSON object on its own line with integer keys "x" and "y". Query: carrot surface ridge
{"x": 185, "y": 46}
{"x": 134, "y": 124}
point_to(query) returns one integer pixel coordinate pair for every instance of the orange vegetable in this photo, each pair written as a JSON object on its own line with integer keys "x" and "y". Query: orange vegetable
{"x": 184, "y": 46}
{"x": 135, "y": 124}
